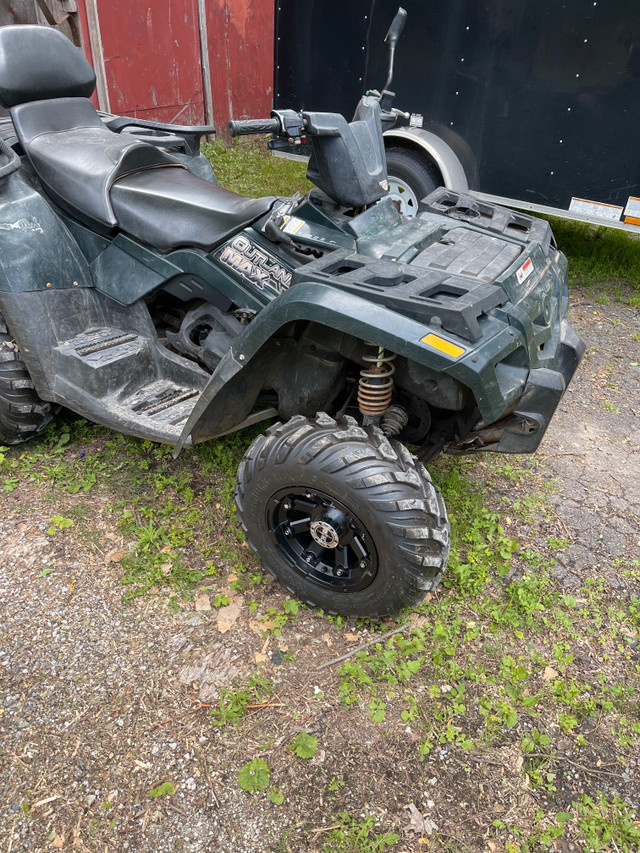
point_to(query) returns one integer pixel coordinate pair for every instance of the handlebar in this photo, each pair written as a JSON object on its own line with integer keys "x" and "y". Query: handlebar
{"x": 249, "y": 126}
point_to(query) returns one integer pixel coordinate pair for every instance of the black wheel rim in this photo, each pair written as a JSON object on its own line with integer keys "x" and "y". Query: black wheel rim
{"x": 322, "y": 539}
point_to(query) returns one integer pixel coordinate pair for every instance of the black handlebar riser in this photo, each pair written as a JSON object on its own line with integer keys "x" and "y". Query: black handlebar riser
{"x": 247, "y": 127}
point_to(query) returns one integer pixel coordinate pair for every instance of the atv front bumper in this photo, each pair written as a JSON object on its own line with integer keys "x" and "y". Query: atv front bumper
{"x": 522, "y": 430}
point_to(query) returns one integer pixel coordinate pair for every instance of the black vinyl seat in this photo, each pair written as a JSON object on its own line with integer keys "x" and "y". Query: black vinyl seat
{"x": 168, "y": 208}
{"x": 115, "y": 179}
{"x": 77, "y": 158}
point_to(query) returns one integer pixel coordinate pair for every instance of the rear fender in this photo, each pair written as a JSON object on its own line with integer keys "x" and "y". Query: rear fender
{"x": 37, "y": 252}
{"x": 233, "y": 389}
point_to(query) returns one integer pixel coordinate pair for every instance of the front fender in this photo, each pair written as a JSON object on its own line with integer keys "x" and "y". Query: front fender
{"x": 232, "y": 390}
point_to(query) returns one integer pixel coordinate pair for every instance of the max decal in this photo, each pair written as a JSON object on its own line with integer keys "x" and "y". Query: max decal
{"x": 255, "y": 265}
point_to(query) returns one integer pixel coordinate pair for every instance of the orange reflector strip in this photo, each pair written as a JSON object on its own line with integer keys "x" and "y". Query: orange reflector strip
{"x": 446, "y": 347}
{"x": 632, "y": 220}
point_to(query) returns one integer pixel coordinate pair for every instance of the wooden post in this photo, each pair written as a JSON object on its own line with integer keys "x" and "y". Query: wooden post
{"x": 206, "y": 67}
{"x": 95, "y": 41}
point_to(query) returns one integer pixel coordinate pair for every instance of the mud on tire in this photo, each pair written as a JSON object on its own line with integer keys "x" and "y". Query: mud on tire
{"x": 22, "y": 413}
{"x": 350, "y": 484}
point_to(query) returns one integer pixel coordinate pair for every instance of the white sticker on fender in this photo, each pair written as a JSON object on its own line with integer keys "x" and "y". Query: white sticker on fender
{"x": 525, "y": 270}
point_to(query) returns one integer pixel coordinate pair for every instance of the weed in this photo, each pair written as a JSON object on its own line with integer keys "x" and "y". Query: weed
{"x": 275, "y": 796}
{"x": 254, "y": 776}
{"x": 304, "y": 745}
{"x": 234, "y": 704}
{"x": 353, "y": 836}
{"x": 166, "y": 789}
{"x": 59, "y": 522}
{"x": 602, "y": 822}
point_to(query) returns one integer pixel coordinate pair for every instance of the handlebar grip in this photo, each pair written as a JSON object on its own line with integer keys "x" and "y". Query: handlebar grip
{"x": 249, "y": 126}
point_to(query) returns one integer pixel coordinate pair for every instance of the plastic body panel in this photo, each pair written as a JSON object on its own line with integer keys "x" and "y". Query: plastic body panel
{"x": 37, "y": 251}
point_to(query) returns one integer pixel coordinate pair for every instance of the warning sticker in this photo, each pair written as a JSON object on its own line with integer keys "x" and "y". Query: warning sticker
{"x": 595, "y": 208}
{"x": 292, "y": 224}
{"x": 525, "y": 270}
{"x": 632, "y": 211}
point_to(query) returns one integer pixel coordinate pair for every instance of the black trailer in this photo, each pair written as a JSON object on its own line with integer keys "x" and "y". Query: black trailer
{"x": 532, "y": 104}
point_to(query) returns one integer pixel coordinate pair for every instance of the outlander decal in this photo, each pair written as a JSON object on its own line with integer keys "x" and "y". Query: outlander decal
{"x": 255, "y": 265}
{"x": 23, "y": 225}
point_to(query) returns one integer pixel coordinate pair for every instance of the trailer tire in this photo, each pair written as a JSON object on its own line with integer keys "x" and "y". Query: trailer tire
{"x": 345, "y": 519}
{"x": 22, "y": 413}
{"x": 411, "y": 177}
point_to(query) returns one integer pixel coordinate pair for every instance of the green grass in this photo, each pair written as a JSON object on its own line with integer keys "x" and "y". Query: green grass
{"x": 248, "y": 168}
{"x": 599, "y": 254}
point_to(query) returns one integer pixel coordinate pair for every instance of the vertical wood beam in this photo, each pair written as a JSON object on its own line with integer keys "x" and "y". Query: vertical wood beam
{"x": 95, "y": 41}
{"x": 204, "y": 58}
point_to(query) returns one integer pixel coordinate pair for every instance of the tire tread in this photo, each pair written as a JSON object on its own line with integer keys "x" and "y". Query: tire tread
{"x": 22, "y": 413}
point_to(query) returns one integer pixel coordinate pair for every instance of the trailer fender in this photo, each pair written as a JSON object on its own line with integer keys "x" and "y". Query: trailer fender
{"x": 439, "y": 152}
{"x": 233, "y": 389}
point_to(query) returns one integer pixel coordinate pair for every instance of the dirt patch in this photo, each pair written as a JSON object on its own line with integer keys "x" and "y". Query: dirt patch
{"x": 103, "y": 702}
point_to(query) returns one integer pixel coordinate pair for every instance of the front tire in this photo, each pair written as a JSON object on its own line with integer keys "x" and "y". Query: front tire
{"x": 344, "y": 518}
{"x": 22, "y": 413}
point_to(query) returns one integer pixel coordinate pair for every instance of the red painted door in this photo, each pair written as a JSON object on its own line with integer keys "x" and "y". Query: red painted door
{"x": 240, "y": 36}
{"x": 148, "y": 59}
{"x": 152, "y": 63}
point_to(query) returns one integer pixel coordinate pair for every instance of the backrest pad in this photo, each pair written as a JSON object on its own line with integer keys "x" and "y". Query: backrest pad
{"x": 39, "y": 63}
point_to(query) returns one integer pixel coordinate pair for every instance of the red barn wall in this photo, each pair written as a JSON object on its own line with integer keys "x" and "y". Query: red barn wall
{"x": 240, "y": 37}
{"x": 148, "y": 58}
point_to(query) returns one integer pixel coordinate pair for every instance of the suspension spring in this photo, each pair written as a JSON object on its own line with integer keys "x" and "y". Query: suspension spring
{"x": 375, "y": 386}
{"x": 394, "y": 420}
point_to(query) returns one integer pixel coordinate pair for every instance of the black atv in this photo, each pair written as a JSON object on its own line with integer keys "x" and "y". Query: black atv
{"x": 138, "y": 293}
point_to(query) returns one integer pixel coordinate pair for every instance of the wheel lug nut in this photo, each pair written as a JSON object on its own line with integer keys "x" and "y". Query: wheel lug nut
{"x": 286, "y": 505}
{"x": 363, "y": 564}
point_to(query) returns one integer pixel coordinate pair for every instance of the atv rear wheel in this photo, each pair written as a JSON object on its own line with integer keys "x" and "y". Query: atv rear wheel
{"x": 22, "y": 413}
{"x": 344, "y": 518}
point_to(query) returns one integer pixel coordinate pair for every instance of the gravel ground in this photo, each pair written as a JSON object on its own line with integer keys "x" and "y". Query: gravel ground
{"x": 101, "y": 701}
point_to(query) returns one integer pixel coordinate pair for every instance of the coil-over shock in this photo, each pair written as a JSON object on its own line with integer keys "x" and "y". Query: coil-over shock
{"x": 375, "y": 387}
{"x": 375, "y": 392}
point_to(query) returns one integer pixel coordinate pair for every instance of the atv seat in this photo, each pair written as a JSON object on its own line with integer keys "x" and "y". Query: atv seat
{"x": 168, "y": 208}
{"x": 46, "y": 84}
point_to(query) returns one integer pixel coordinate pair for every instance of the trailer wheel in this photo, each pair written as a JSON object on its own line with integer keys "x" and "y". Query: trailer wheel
{"x": 411, "y": 177}
{"x": 22, "y": 413}
{"x": 344, "y": 518}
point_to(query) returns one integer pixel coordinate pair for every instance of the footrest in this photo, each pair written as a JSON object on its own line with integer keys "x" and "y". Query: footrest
{"x": 160, "y": 400}
{"x": 105, "y": 342}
